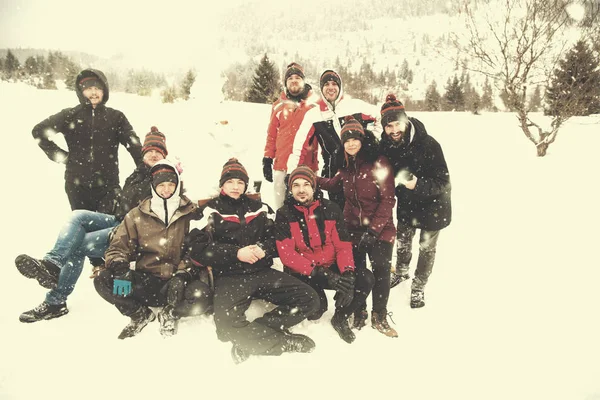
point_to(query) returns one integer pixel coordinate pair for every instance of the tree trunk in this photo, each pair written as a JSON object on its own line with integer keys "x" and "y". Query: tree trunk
{"x": 542, "y": 148}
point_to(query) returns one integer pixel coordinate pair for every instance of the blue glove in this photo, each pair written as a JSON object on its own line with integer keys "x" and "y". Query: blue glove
{"x": 121, "y": 287}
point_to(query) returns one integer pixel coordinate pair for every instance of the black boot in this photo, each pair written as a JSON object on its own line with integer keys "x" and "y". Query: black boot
{"x": 139, "y": 320}
{"x": 360, "y": 319}
{"x": 417, "y": 298}
{"x": 238, "y": 355}
{"x": 168, "y": 321}
{"x": 297, "y": 343}
{"x": 44, "y": 311}
{"x": 397, "y": 279}
{"x": 340, "y": 324}
{"x": 45, "y": 272}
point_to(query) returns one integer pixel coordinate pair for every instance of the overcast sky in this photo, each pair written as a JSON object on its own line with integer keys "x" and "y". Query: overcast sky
{"x": 110, "y": 26}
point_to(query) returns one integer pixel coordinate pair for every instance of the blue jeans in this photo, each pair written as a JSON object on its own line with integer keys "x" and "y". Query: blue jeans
{"x": 85, "y": 234}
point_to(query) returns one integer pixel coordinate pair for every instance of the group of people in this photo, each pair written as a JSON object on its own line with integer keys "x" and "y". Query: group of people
{"x": 152, "y": 247}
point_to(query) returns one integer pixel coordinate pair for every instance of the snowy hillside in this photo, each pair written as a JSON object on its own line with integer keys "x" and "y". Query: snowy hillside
{"x": 512, "y": 304}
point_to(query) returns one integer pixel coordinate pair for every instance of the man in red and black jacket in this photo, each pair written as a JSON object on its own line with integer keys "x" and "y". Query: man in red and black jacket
{"x": 236, "y": 239}
{"x": 314, "y": 246}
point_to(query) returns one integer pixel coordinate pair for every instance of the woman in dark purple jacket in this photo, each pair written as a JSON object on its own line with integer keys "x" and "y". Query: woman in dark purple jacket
{"x": 367, "y": 180}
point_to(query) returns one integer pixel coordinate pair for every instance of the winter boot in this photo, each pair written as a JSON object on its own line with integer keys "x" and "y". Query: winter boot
{"x": 45, "y": 272}
{"x": 379, "y": 322}
{"x": 168, "y": 322}
{"x": 417, "y": 298}
{"x": 340, "y": 324}
{"x": 238, "y": 355}
{"x": 360, "y": 319}
{"x": 139, "y": 320}
{"x": 397, "y": 279}
{"x": 44, "y": 311}
{"x": 297, "y": 343}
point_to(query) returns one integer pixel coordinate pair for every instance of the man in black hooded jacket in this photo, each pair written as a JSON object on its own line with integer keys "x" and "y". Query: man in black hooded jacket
{"x": 93, "y": 133}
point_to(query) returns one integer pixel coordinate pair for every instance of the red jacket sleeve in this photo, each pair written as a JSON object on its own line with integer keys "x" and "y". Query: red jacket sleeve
{"x": 272, "y": 131}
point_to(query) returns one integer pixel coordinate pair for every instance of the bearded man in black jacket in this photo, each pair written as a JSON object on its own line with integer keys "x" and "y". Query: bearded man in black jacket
{"x": 423, "y": 192}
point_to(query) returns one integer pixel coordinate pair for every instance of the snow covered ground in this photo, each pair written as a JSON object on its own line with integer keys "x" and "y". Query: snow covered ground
{"x": 512, "y": 306}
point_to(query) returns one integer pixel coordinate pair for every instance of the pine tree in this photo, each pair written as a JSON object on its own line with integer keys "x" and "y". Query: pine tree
{"x": 186, "y": 85}
{"x": 433, "y": 99}
{"x": 265, "y": 83}
{"x": 487, "y": 98}
{"x": 575, "y": 84}
{"x": 454, "y": 98}
{"x": 11, "y": 65}
{"x": 535, "y": 103}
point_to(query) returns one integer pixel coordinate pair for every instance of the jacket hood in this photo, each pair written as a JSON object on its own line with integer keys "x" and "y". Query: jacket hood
{"x": 86, "y": 73}
{"x": 158, "y": 205}
{"x": 333, "y": 105}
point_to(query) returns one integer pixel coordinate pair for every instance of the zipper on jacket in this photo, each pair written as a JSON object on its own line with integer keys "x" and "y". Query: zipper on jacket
{"x": 356, "y": 192}
{"x": 166, "y": 213}
{"x": 92, "y": 137}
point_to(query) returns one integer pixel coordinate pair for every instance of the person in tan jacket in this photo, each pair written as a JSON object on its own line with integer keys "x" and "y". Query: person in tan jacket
{"x": 152, "y": 235}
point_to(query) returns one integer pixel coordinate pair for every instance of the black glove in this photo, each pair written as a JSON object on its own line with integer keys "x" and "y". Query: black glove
{"x": 343, "y": 297}
{"x": 331, "y": 278}
{"x": 367, "y": 241}
{"x": 119, "y": 268}
{"x": 268, "y": 168}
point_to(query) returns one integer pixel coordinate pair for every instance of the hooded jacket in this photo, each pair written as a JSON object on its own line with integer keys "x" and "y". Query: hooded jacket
{"x": 152, "y": 234}
{"x": 428, "y": 206}
{"x": 368, "y": 184}
{"x": 323, "y": 125}
{"x": 313, "y": 235}
{"x": 286, "y": 116}
{"x": 92, "y": 136}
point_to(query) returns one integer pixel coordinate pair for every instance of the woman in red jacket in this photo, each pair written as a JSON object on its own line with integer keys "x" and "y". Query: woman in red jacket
{"x": 367, "y": 181}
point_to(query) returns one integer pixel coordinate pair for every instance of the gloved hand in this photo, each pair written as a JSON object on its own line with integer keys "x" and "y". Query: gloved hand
{"x": 367, "y": 241}
{"x": 268, "y": 168}
{"x": 343, "y": 296}
{"x": 122, "y": 278}
{"x": 332, "y": 278}
{"x": 122, "y": 284}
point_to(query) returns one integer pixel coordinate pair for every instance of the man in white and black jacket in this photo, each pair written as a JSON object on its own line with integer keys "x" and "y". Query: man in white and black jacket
{"x": 237, "y": 241}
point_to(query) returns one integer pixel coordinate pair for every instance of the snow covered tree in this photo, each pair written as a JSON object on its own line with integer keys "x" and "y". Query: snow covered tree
{"x": 535, "y": 102}
{"x": 11, "y": 65}
{"x": 512, "y": 42}
{"x": 454, "y": 98}
{"x": 186, "y": 85}
{"x": 265, "y": 83}
{"x": 487, "y": 98}
{"x": 433, "y": 99}
{"x": 575, "y": 84}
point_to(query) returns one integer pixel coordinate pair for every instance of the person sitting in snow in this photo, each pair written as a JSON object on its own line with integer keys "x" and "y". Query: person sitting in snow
{"x": 237, "y": 241}
{"x": 152, "y": 235}
{"x": 423, "y": 193}
{"x": 314, "y": 246}
{"x": 86, "y": 233}
{"x": 92, "y": 132}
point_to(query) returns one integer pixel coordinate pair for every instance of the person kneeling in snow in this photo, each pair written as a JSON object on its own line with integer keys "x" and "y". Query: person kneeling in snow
{"x": 237, "y": 241}
{"x": 153, "y": 235}
{"x": 315, "y": 247}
